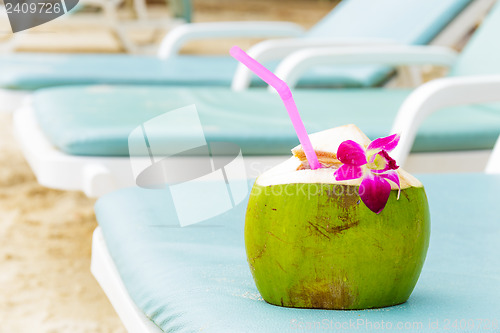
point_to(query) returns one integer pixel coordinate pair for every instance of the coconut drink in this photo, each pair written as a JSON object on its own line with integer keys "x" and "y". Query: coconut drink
{"x": 312, "y": 242}
{"x": 337, "y": 226}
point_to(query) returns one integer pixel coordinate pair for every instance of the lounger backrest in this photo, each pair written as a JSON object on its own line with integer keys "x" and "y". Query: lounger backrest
{"x": 404, "y": 21}
{"x": 481, "y": 55}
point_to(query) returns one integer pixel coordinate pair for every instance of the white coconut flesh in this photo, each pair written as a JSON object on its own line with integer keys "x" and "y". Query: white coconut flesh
{"x": 325, "y": 143}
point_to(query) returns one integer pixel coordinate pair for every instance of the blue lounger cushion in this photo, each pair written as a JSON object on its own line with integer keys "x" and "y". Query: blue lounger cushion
{"x": 197, "y": 279}
{"x": 34, "y": 71}
{"x": 96, "y": 121}
{"x": 402, "y": 21}
{"x": 31, "y": 72}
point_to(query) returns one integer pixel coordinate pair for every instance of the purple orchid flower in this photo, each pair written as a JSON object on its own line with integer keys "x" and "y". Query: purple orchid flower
{"x": 374, "y": 165}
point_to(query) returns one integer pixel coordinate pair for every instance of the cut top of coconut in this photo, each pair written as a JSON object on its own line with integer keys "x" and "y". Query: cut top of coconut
{"x": 326, "y": 144}
{"x": 287, "y": 173}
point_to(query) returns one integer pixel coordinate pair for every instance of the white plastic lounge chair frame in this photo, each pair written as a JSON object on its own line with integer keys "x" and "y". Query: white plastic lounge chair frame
{"x": 96, "y": 176}
{"x": 436, "y": 95}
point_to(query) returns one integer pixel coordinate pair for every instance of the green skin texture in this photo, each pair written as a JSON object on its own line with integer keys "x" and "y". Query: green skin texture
{"x": 319, "y": 246}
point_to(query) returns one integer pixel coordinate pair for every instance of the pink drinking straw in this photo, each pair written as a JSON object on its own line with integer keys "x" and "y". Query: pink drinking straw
{"x": 286, "y": 95}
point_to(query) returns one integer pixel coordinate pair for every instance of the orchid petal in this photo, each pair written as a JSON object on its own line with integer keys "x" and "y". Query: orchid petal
{"x": 347, "y": 172}
{"x": 351, "y": 153}
{"x": 388, "y": 143}
{"x": 393, "y": 177}
{"x": 374, "y": 192}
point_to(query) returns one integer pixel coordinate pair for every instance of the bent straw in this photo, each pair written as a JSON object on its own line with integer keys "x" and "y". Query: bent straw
{"x": 286, "y": 95}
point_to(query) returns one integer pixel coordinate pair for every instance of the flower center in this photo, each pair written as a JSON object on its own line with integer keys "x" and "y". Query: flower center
{"x": 380, "y": 161}
{"x": 376, "y": 162}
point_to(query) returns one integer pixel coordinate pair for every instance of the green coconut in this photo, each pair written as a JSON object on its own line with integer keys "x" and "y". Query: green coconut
{"x": 312, "y": 243}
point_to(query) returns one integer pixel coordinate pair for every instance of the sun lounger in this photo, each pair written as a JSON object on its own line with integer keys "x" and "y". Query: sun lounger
{"x": 405, "y": 22}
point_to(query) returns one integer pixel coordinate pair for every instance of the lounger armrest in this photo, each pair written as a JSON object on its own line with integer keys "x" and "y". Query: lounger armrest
{"x": 275, "y": 49}
{"x": 296, "y": 64}
{"x": 435, "y": 95}
{"x": 174, "y": 40}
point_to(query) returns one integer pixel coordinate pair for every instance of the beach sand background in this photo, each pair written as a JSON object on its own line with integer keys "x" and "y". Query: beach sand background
{"x": 45, "y": 235}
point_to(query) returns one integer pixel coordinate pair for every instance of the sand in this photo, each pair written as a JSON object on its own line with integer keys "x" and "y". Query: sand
{"x": 45, "y": 238}
{"x": 45, "y": 235}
